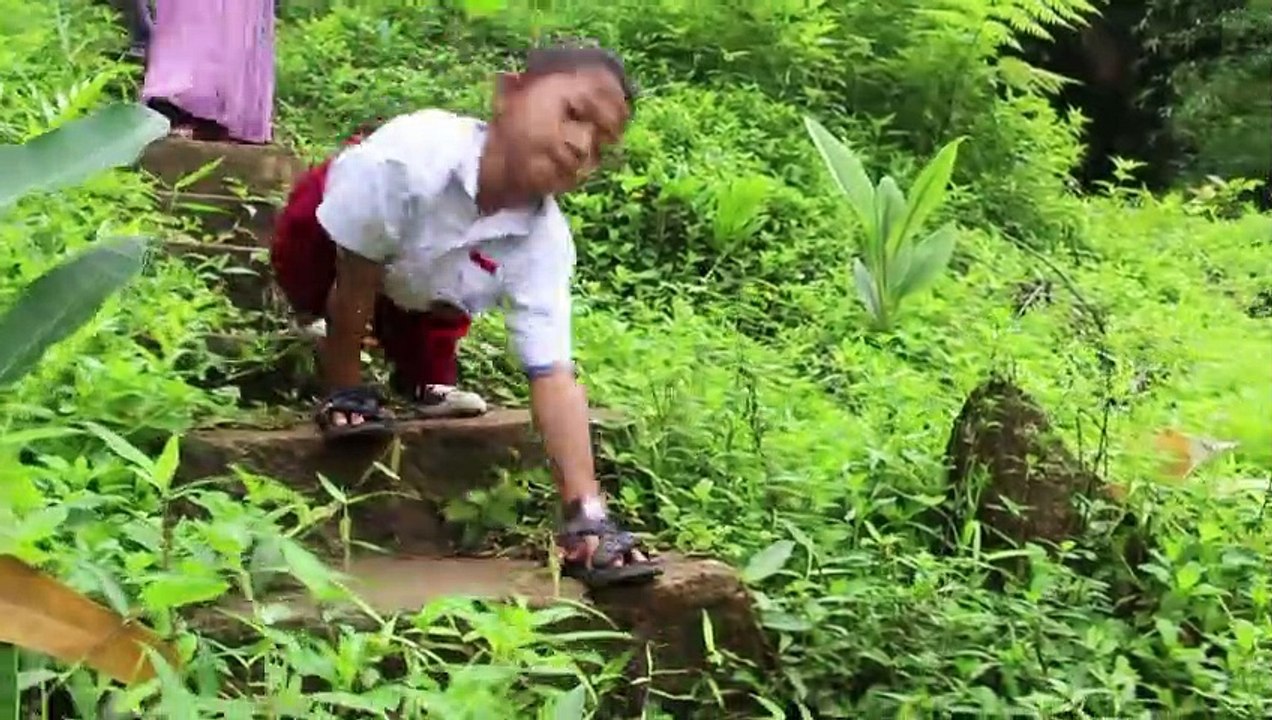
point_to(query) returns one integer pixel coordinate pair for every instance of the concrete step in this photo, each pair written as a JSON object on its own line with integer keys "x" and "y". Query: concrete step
{"x": 434, "y": 460}
{"x": 260, "y": 169}
{"x": 665, "y": 617}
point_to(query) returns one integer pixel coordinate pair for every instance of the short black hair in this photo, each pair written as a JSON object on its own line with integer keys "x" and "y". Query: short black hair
{"x": 571, "y": 57}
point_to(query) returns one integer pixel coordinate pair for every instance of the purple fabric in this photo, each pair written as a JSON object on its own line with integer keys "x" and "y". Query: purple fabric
{"x": 215, "y": 60}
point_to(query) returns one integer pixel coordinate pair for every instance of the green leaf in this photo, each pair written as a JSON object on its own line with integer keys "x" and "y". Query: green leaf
{"x": 112, "y": 136}
{"x": 571, "y": 705}
{"x": 376, "y": 702}
{"x": 928, "y": 191}
{"x": 899, "y": 267}
{"x": 173, "y": 591}
{"x": 309, "y": 570}
{"x": 165, "y": 467}
{"x": 10, "y": 707}
{"x": 122, "y": 447}
{"x": 768, "y": 561}
{"x": 891, "y": 210}
{"x": 482, "y": 8}
{"x": 60, "y": 301}
{"x": 867, "y": 291}
{"x": 785, "y": 622}
{"x": 931, "y": 256}
{"x": 22, "y": 438}
{"x": 846, "y": 168}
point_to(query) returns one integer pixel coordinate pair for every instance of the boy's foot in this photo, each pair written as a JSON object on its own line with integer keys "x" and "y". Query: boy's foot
{"x": 354, "y": 411}
{"x": 438, "y": 401}
{"x": 600, "y": 554}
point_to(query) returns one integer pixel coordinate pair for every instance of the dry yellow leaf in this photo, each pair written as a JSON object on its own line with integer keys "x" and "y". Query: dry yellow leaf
{"x": 42, "y": 614}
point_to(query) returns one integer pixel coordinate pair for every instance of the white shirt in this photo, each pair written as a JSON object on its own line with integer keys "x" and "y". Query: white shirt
{"x": 406, "y": 197}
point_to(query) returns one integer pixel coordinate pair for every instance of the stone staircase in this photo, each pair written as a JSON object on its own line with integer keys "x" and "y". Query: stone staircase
{"x": 434, "y": 461}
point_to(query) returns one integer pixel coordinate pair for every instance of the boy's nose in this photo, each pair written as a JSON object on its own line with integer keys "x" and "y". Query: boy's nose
{"x": 577, "y": 140}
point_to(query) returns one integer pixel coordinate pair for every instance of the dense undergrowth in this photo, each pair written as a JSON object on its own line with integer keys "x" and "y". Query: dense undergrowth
{"x": 716, "y": 306}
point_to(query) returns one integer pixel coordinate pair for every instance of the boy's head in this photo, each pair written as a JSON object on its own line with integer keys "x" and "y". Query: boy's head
{"x": 554, "y": 118}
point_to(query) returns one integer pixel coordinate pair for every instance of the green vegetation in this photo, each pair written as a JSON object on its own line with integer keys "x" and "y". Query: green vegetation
{"x": 778, "y": 425}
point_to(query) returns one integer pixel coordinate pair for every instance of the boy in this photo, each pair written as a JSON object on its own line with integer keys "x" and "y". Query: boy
{"x": 435, "y": 217}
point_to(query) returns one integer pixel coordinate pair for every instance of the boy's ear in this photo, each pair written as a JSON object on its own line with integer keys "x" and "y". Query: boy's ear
{"x": 508, "y": 82}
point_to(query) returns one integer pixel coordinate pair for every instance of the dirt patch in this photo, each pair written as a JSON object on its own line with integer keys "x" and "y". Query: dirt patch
{"x": 1032, "y": 481}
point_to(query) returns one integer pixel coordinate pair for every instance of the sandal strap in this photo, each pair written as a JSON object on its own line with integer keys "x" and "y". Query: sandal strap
{"x": 615, "y": 543}
{"x": 364, "y": 400}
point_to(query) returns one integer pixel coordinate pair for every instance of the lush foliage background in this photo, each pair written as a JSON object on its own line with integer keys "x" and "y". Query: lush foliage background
{"x": 716, "y": 306}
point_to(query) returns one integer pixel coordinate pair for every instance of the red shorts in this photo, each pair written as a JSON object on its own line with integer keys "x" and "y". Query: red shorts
{"x": 421, "y": 345}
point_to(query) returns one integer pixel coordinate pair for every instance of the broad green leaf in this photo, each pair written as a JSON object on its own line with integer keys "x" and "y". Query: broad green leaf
{"x": 768, "y": 561}
{"x": 867, "y": 291}
{"x": 60, "y": 301}
{"x": 899, "y": 266}
{"x": 571, "y": 705}
{"x": 177, "y": 590}
{"x": 112, "y": 136}
{"x": 10, "y": 706}
{"x": 891, "y": 209}
{"x": 846, "y": 168}
{"x": 931, "y": 256}
{"x": 928, "y": 191}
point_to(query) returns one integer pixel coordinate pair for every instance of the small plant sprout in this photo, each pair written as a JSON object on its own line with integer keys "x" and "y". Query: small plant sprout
{"x": 896, "y": 261}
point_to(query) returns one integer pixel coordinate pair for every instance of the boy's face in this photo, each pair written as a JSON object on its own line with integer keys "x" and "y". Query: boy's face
{"x": 555, "y": 127}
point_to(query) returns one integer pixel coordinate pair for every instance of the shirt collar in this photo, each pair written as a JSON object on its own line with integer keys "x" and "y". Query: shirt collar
{"x": 470, "y": 160}
{"x": 470, "y": 163}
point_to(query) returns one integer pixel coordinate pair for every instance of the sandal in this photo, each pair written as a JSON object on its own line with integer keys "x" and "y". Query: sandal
{"x": 615, "y": 545}
{"x": 376, "y": 419}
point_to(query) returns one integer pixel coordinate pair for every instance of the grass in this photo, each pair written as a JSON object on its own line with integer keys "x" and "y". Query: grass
{"x": 716, "y": 308}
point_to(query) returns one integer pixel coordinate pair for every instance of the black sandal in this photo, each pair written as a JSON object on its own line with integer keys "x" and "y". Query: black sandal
{"x": 377, "y": 421}
{"x": 615, "y": 545}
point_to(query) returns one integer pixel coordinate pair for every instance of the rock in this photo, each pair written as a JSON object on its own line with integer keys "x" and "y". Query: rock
{"x": 1004, "y": 432}
{"x": 665, "y": 616}
{"x": 261, "y": 169}
{"x": 668, "y": 614}
{"x": 436, "y": 460}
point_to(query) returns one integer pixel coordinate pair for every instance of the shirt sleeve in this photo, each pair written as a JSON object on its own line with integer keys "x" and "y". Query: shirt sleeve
{"x": 537, "y": 294}
{"x": 363, "y": 204}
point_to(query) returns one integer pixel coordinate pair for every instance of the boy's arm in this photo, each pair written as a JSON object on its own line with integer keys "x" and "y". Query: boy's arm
{"x": 349, "y": 308}
{"x": 361, "y": 211}
{"x": 538, "y": 320}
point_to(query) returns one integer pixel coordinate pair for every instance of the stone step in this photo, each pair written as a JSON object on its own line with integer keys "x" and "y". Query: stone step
{"x": 262, "y": 170}
{"x": 226, "y": 218}
{"x": 665, "y": 617}
{"x": 244, "y": 275}
{"x": 434, "y": 460}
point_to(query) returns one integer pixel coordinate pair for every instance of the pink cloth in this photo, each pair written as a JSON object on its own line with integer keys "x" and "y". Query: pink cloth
{"x": 215, "y": 60}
